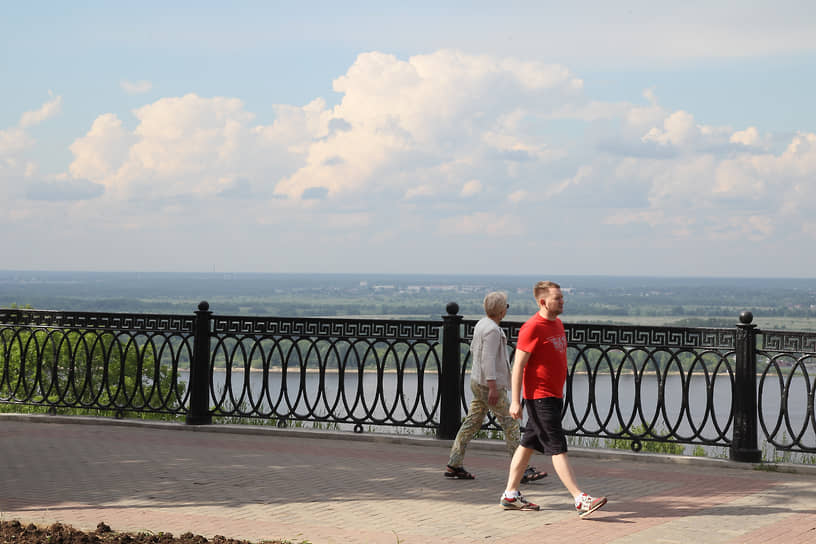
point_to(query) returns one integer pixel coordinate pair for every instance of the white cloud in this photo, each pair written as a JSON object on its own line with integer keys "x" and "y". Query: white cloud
{"x": 678, "y": 129}
{"x": 420, "y": 191}
{"x": 482, "y": 224}
{"x": 49, "y": 109}
{"x": 471, "y": 187}
{"x": 740, "y": 196}
{"x": 626, "y": 217}
{"x": 749, "y": 137}
{"x": 135, "y": 87}
{"x": 13, "y": 140}
{"x": 518, "y": 196}
{"x": 442, "y": 109}
{"x": 192, "y": 144}
{"x": 447, "y": 135}
{"x": 102, "y": 151}
{"x": 180, "y": 135}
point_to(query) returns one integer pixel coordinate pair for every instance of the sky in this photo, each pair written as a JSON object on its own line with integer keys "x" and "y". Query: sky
{"x": 642, "y": 138}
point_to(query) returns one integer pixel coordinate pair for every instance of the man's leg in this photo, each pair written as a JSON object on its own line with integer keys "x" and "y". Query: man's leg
{"x": 470, "y": 426}
{"x": 563, "y": 468}
{"x": 585, "y": 504}
{"x": 512, "y": 435}
{"x": 520, "y": 460}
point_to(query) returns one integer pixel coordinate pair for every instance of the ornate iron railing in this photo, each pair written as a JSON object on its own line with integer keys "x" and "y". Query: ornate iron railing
{"x": 96, "y": 361}
{"x": 787, "y": 365}
{"x": 710, "y": 387}
{"x": 339, "y": 371}
{"x": 634, "y": 382}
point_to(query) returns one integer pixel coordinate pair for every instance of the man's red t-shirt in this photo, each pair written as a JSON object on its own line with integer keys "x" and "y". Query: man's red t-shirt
{"x": 546, "y": 370}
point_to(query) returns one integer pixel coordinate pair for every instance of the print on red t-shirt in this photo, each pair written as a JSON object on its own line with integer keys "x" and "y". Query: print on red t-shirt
{"x": 546, "y": 370}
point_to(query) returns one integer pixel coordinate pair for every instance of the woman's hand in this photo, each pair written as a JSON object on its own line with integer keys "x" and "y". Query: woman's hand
{"x": 492, "y": 393}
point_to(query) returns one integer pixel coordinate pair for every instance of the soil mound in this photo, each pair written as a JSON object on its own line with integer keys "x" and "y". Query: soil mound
{"x": 14, "y": 532}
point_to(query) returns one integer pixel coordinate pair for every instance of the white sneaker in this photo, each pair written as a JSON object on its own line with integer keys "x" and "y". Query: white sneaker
{"x": 586, "y": 504}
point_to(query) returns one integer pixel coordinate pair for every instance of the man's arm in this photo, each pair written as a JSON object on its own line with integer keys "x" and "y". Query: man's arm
{"x": 519, "y": 362}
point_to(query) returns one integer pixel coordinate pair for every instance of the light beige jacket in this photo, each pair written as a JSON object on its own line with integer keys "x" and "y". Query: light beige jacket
{"x": 489, "y": 360}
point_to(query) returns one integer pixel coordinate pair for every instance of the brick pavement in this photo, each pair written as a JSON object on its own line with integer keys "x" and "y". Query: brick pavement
{"x": 320, "y": 487}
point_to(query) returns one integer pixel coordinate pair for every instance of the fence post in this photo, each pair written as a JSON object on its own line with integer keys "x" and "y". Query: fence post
{"x": 449, "y": 411}
{"x": 199, "y": 413}
{"x": 744, "y": 442}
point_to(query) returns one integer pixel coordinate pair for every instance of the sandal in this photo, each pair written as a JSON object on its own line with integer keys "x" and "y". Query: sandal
{"x": 459, "y": 473}
{"x": 531, "y": 475}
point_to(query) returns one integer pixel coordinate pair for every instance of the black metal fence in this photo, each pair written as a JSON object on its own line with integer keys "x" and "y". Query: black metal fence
{"x": 727, "y": 387}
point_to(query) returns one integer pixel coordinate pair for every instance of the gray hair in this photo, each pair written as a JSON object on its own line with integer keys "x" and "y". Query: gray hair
{"x": 495, "y": 303}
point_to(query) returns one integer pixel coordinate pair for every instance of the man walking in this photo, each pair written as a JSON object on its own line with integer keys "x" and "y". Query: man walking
{"x": 489, "y": 381}
{"x": 539, "y": 373}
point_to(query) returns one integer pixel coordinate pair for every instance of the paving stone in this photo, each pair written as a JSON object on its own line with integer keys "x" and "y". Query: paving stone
{"x": 323, "y": 488}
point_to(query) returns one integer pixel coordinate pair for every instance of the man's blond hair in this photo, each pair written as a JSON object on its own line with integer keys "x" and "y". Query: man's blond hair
{"x": 543, "y": 287}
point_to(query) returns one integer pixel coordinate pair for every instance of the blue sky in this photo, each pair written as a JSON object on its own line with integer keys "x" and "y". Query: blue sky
{"x": 631, "y": 138}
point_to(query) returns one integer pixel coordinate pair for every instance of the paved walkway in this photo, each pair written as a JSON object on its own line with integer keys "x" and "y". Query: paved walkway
{"x": 258, "y": 483}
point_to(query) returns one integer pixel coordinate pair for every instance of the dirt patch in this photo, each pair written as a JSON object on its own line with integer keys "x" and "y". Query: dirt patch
{"x": 14, "y": 532}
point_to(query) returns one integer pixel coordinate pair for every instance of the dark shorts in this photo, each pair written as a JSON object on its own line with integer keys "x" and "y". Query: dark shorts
{"x": 543, "y": 431}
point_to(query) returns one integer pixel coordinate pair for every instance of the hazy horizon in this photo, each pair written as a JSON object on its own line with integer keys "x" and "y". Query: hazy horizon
{"x": 537, "y": 277}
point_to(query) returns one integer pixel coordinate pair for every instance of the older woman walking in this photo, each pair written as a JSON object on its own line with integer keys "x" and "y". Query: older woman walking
{"x": 489, "y": 382}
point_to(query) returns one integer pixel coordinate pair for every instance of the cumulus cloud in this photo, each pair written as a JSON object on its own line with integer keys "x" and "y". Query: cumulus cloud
{"x": 518, "y": 196}
{"x": 486, "y": 143}
{"x": 482, "y": 224}
{"x": 678, "y": 129}
{"x": 15, "y": 167}
{"x": 135, "y": 87}
{"x": 420, "y": 191}
{"x": 102, "y": 151}
{"x": 447, "y": 109}
{"x": 748, "y": 137}
{"x": 46, "y": 111}
{"x": 471, "y": 187}
{"x": 13, "y": 140}
{"x": 191, "y": 144}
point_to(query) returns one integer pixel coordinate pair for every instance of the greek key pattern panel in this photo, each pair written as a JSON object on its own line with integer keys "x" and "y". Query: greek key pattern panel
{"x": 89, "y": 320}
{"x": 801, "y": 342}
{"x": 659, "y": 337}
{"x": 630, "y": 335}
{"x": 329, "y": 328}
{"x": 510, "y": 328}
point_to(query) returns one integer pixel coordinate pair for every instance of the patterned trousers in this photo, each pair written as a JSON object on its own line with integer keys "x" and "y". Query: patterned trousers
{"x": 473, "y": 423}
